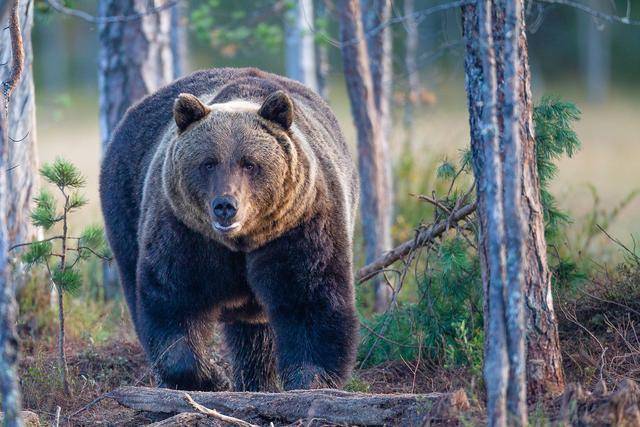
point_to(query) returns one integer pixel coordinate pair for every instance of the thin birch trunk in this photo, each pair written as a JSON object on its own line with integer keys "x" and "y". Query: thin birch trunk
{"x": 514, "y": 225}
{"x": 323, "y": 65}
{"x": 9, "y": 349}
{"x": 374, "y": 204}
{"x": 135, "y": 59}
{"x": 300, "y": 58}
{"x": 413, "y": 73}
{"x": 379, "y": 50}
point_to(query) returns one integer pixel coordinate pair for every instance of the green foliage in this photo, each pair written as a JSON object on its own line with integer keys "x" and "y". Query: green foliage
{"x": 44, "y": 213}
{"x": 228, "y": 25}
{"x": 37, "y": 253}
{"x": 555, "y": 138}
{"x": 62, "y": 174}
{"x": 67, "y": 279}
{"x": 443, "y": 319}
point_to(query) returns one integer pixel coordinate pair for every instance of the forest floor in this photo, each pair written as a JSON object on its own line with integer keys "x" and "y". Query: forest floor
{"x": 599, "y": 331}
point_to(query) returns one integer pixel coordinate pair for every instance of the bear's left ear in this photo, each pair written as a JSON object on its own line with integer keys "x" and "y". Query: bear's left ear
{"x": 188, "y": 109}
{"x": 278, "y": 108}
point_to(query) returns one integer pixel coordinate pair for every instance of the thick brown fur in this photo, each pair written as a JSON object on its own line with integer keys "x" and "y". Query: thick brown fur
{"x": 279, "y": 277}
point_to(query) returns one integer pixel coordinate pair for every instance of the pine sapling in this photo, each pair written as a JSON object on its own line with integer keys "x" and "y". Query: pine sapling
{"x": 61, "y": 254}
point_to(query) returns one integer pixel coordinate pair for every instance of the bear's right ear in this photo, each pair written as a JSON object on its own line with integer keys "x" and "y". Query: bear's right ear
{"x": 188, "y": 109}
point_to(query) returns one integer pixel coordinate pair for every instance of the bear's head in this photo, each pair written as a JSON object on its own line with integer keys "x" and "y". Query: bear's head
{"x": 235, "y": 170}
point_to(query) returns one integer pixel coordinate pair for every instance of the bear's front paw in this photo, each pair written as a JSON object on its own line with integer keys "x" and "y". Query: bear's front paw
{"x": 307, "y": 377}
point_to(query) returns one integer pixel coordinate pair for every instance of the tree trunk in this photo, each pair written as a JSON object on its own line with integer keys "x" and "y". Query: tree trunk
{"x": 179, "y": 39}
{"x": 334, "y": 407}
{"x": 323, "y": 65}
{"x": 9, "y": 385}
{"x": 544, "y": 361}
{"x": 300, "y": 58}
{"x": 374, "y": 202}
{"x": 511, "y": 145}
{"x": 413, "y": 73}
{"x": 380, "y": 59}
{"x": 135, "y": 59}
{"x": 595, "y": 55}
{"x": 22, "y": 176}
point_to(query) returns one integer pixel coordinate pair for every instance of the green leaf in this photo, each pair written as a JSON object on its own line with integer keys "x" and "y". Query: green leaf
{"x": 66, "y": 279}
{"x": 44, "y": 213}
{"x": 37, "y": 253}
{"x": 63, "y": 174}
{"x": 93, "y": 237}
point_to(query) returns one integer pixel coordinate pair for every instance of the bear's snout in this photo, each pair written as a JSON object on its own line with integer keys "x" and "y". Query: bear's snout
{"x": 224, "y": 207}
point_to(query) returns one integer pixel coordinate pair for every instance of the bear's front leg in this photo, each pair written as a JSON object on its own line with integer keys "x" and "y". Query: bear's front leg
{"x": 175, "y": 337}
{"x": 304, "y": 281}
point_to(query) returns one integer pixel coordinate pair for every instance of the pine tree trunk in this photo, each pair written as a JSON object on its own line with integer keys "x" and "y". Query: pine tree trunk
{"x": 379, "y": 51}
{"x": 9, "y": 385}
{"x": 374, "y": 202}
{"x": 22, "y": 176}
{"x": 179, "y": 39}
{"x": 544, "y": 360}
{"x": 300, "y": 58}
{"x": 135, "y": 59}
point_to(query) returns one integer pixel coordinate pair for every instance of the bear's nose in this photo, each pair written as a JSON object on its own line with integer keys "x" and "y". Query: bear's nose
{"x": 224, "y": 207}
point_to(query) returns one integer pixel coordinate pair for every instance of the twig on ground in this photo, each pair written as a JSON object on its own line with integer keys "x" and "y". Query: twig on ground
{"x": 215, "y": 414}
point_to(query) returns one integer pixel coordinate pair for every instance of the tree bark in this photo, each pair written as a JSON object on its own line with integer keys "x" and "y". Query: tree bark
{"x": 9, "y": 385}
{"x": 179, "y": 39}
{"x": 374, "y": 201}
{"x": 135, "y": 59}
{"x": 544, "y": 361}
{"x": 22, "y": 177}
{"x": 332, "y": 406}
{"x": 379, "y": 49}
{"x": 511, "y": 145}
{"x": 300, "y": 58}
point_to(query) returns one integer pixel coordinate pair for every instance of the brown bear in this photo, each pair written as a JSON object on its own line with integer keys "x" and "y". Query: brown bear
{"x": 229, "y": 196}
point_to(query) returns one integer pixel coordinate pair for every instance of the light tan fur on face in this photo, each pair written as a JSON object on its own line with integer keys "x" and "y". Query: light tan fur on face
{"x": 273, "y": 207}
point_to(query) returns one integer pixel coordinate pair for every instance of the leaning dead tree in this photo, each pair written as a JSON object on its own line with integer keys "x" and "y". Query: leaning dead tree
{"x": 334, "y": 407}
{"x": 9, "y": 387}
{"x": 374, "y": 185}
{"x": 544, "y": 361}
{"x": 135, "y": 59}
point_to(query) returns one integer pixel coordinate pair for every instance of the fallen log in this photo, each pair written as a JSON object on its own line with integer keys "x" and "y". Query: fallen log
{"x": 425, "y": 236}
{"x": 332, "y": 406}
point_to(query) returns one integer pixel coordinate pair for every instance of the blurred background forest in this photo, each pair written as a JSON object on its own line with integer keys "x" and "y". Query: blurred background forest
{"x": 572, "y": 56}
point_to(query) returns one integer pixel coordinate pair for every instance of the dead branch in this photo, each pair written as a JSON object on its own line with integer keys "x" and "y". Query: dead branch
{"x": 59, "y": 7}
{"x": 17, "y": 53}
{"x": 595, "y": 13}
{"x": 424, "y": 237}
{"x": 213, "y": 413}
{"x": 332, "y": 406}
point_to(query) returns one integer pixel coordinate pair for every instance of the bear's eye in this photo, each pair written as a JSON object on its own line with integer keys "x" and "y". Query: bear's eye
{"x": 248, "y": 166}
{"x": 209, "y": 165}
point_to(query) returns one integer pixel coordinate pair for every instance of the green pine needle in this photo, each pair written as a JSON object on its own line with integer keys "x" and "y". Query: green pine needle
{"x": 77, "y": 200}
{"x": 63, "y": 174}
{"x": 93, "y": 237}
{"x": 44, "y": 213}
{"x": 66, "y": 279}
{"x": 37, "y": 253}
